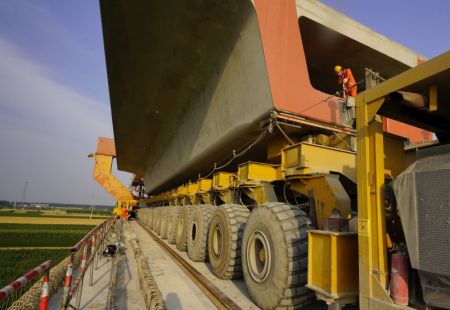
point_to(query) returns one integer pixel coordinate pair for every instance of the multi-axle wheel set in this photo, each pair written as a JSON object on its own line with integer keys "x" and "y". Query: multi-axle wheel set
{"x": 267, "y": 245}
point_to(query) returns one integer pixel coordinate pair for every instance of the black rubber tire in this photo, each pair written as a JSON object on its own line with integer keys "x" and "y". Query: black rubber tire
{"x": 151, "y": 217}
{"x": 198, "y": 228}
{"x": 275, "y": 256}
{"x": 181, "y": 228}
{"x": 148, "y": 216}
{"x": 158, "y": 220}
{"x": 144, "y": 215}
{"x": 154, "y": 218}
{"x": 224, "y": 240}
{"x": 172, "y": 224}
{"x": 163, "y": 225}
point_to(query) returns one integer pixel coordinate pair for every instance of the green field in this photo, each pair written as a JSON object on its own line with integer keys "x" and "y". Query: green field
{"x": 15, "y": 263}
{"x": 42, "y": 214}
{"x": 30, "y": 238}
{"x": 36, "y": 235}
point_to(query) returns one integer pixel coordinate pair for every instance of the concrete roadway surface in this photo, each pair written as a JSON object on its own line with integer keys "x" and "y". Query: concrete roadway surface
{"x": 178, "y": 290}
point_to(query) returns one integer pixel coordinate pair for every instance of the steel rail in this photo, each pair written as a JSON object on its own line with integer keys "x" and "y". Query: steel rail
{"x": 216, "y": 296}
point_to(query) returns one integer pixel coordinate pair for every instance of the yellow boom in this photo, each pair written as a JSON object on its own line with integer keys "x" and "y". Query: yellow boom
{"x": 102, "y": 174}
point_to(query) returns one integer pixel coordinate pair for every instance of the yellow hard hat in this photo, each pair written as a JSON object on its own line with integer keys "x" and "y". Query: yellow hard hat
{"x": 337, "y": 69}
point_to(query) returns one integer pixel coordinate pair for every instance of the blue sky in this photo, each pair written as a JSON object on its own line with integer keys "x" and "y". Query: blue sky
{"x": 54, "y": 99}
{"x": 423, "y": 26}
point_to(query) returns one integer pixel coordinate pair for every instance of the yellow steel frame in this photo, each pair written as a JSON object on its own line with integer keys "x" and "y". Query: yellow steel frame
{"x": 307, "y": 170}
{"x": 255, "y": 180}
{"x": 333, "y": 273}
{"x": 203, "y": 191}
{"x": 307, "y": 158}
{"x": 371, "y": 168}
{"x": 224, "y": 181}
{"x": 182, "y": 194}
{"x": 224, "y": 185}
{"x": 103, "y": 176}
{"x": 252, "y": 172}
{"x": 327, "y": 193}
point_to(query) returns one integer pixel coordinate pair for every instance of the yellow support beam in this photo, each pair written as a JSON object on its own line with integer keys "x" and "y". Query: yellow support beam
{"x": 102, "y": 174}
{"x": 307, "y": 158}
{"x": 372, "y": 245}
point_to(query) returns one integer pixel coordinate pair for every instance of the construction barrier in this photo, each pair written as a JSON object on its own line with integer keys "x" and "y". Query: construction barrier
{"x": 21, "y": 282}
{"x": 68, "y": 279}
{"x": 93, "y": 246}
{"x": 60, "y": 275}
{"x": 90, "y": 246}
{"x": 43, "y": 303}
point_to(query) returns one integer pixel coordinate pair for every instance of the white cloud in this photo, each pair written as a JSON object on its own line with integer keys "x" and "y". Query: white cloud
{"x": 46, "y": 131}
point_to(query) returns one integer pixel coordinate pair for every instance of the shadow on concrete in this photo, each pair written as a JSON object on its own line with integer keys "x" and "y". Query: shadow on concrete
{"x": 173, "y": 302}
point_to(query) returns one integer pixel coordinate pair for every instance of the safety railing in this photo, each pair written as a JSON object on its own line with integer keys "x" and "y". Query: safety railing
{"x": 82, "y": 255}
{"x": 10, "y": 293}
{"x": 89, "y": 246}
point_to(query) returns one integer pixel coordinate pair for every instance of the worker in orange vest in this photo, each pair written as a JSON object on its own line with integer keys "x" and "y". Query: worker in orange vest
{"x": 124, "y": 213}
{"x": 346, "y": 79}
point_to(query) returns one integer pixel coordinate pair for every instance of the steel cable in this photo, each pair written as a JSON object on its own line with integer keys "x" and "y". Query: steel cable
{"x": 236, "y": 155}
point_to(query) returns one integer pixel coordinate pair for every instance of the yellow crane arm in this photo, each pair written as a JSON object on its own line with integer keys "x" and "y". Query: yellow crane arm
{"x": 102, "y": 170}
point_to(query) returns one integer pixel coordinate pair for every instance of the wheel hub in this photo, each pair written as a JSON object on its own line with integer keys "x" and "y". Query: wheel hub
{"x": 180, "y": 227}
{"x": 217, "y": 243}
{"x": 259, "y": 256}
{"x": 193, "y": 232}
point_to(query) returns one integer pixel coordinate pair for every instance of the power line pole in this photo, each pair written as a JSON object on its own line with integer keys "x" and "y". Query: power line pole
{"x": 24, "y": 195}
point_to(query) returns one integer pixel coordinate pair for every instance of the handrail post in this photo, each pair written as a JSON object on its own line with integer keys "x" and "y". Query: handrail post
{"x": 82, "y": 269}
{"x": 93, "y": 254}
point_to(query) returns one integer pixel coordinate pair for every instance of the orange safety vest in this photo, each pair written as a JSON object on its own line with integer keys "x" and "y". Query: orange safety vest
{"x": 351, "y": 88}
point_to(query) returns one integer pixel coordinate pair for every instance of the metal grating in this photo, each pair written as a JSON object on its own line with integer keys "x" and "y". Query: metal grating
{"x": 433, "y": 227}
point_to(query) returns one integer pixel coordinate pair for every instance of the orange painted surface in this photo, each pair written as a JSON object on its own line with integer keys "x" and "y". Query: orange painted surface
{"x": 401, "y": 129}
{"x": 106, "y": 146}
{"x": 286, "y": 62}
{"x": 288, "y": 73}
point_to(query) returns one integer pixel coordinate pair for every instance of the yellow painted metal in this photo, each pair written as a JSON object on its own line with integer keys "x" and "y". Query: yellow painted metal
{"x": 255, "y": 181}
{"x": 333, "y": 264}
{"x": 432, "y": 99}
{"x": 371, "y": 216}
{"x": 394, "y": 155}
{"x": 182, "y": 193}
{"x": 203, "y": 192}
{"x": 253, "y": 172}
{"x": 307, "y": 158}
{"x": 224, "y": 185}
{"x": 261, "y": 193}
{"x": 204, "y": 185}
{"x": 418, "y": 75}
{"x": 307, "y": 170}
{"x": 192, "y": 189}
{"x": 227, "y": 196}
{"x": 371, "y": 173}
{"x": 103, "y": 176}
{"x": 327, "y": 195}
{"x": 224, "y": 180}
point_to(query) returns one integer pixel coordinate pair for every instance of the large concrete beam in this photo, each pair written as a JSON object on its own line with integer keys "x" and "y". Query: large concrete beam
{"x": 191, "y": 80}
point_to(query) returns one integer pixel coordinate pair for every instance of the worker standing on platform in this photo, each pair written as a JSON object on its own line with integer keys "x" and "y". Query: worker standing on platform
{"x": 346, "y": 79}
{"x": 124, "y": 213}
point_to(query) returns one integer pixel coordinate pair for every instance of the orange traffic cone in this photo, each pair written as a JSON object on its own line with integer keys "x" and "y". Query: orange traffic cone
{"x": 43, "y": 303}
